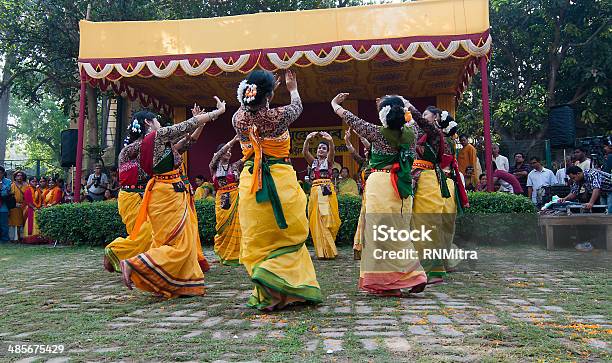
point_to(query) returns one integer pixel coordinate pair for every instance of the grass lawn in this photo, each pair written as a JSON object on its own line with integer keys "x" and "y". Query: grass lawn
{"x": 516, "y": 303}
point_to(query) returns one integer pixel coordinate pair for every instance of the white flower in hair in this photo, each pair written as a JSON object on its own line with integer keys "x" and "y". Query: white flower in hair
{"x": 382, "y": 114}
{"x": 135, "y": 126}
{"x": 246, "y": 92}
{"x": 450, "y": 126}
{"x": 444, "y": 115}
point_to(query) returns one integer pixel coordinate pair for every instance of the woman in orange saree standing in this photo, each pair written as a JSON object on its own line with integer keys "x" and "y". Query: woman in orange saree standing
{"x": 15, "y": 220}
{"x": 32, "y": 200}
{"x": 272, "y": 203}
{"x": 170, "y": 268}
{"x": 53, "y": 195}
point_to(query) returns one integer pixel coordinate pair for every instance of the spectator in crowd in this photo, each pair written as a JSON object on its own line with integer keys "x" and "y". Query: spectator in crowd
{"x": 53, "y": 195}
{"x": 537, "y": 179}
{"x": 607, "y": 166}
{"x": 561, "y": 174}
{"x": 595, "y": 184}
{"x": 16, "y": 218}
{"x": 500, "y": 160}
{"x": 96, "y": 184}
{"x": 482, "y": 183}
{"x": 520, "y": 170}
{"x": 5, "y": 192}
{"x": 346, "y": 184}
{"x": 580, "y": 155}
{"x": 108, "y": 195}
{"x": 508, "y": 183}
{"x": 204, "y": 189}
{"x": 43, "y": 185}
{"x": 335, "y": 176}
{"x": 470, "y": 186}
{"x": 113, "y": 184}
{"x": 468, "y": 156}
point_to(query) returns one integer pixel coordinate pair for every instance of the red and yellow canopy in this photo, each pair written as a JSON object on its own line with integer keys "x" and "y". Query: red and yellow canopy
{"x": 422, "y": 48}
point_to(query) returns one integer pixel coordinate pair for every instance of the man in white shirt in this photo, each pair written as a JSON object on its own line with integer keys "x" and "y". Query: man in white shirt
{"x": 561, "y": 175}
{"x": 538, "y": 178}
{"x": 96, "y": 184}
{"x": 500, "y": 160}
{"x": 582, "y": 161}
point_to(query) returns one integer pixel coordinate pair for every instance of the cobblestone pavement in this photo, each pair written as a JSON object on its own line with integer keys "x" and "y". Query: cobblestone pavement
{"x": 514, "y": 304}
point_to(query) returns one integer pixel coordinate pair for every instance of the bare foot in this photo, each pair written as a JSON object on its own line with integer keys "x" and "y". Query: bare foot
{"x": 108, "y": 266}
{"x": 418, "y": 288}
{"x": 126, "y": 274}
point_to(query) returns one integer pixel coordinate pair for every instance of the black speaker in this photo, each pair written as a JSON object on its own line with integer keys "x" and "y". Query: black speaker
{"x": 562, "y": 126}
{"x": 69, "y": 148}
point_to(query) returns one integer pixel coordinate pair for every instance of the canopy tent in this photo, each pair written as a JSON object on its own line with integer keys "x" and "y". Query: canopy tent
{"x": 423, "y": 48}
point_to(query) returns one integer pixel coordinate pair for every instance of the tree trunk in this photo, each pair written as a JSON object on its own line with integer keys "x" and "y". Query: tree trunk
{"x": 4, "y": 105}
{"x": 92, "y": 122}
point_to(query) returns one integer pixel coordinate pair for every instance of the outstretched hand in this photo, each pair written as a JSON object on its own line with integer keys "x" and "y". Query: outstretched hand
{"x": 196, "y": 110}
{"x": 220, "y": 104}
{"x": 340, "y": 97}
{"x": 290, "y": 80}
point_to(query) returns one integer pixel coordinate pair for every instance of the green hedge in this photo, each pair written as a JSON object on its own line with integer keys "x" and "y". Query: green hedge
{"x": 97, "y": 224}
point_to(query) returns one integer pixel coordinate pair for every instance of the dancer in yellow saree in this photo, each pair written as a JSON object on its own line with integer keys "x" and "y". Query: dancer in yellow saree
{"x": 323, "y": 214}
{"x": 170, "y": 268}
{"x": 272, "y": 204}
{"x": 440, "y": 192}
{"x": 225, "y": 176}
{"x": 388, "y": 199}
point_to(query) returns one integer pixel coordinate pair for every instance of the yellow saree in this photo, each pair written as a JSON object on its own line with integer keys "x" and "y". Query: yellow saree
{"x": 227, "y": 239}
{"x": 170, "y": 267}
{"x": 323, "y": 219}
{"x": 123, "y": 248}
{"x": 272, "y": 248}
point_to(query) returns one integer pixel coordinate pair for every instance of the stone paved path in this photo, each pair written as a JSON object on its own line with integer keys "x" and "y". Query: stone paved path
{"x": 534, "y": 305}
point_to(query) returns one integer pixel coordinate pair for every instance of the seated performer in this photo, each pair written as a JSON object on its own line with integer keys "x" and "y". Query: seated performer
{"x": 272, "y": 205}
{"x": 323, "y": 215}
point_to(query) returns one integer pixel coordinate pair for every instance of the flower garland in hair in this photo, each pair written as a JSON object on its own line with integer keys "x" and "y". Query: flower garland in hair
{"x": 444, "y": 115}
{"x": 450, "y": 126}
{"x": 382, "y": 114}
{"x": 246, "y": 92}
{"x": 135, "y": 127}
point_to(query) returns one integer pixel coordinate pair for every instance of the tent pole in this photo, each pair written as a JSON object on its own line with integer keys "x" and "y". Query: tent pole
{"x": 486, "y": 113}
{"x": 81, "y": 134}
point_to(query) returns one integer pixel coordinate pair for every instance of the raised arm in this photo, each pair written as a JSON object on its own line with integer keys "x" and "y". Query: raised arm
{"x": 361, "y": 127}
{"x": 347, "y": 140}
{"x": 170, "y": 133}
{"x": 331, "y": 152}
{"x": 218, "y": 154}
{"x": 306, "y": 149}
{"x": 290, "y": 112}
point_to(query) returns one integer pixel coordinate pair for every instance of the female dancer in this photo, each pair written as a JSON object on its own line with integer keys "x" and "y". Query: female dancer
{"x": 15, "y": 220}
{"x": 272, "y": 204}
{"x": 388, "y": 197}
{"x": 439, "y": 189}
{"x": 170, "y": 267}
{"x": 32, "y": 200}
{"x": 323, "y": 215}
{"x": 225, "y": 176}
{"x": 53, "y": 195}
{"x": 133, "y": 180}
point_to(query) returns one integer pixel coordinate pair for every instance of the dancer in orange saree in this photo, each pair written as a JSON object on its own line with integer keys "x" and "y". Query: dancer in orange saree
{"x": 226, "y": 176}
{"x": 53, "y": 195}
{"x": 388, "y": 198}
{"x": 272, "y": 203}
{"x": 133, "y": 179}
{"x": 170, "y": 268}
{"x": 32, "y": 200}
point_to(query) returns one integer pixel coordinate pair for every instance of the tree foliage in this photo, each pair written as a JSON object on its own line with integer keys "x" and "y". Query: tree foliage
{"x": 546, "y": 53}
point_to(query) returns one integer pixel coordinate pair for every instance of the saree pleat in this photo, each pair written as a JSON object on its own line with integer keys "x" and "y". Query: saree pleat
{"x": 432, "y": 209}
{"x": 384, "y": 207}
{"x": 123, "y": 248}
{"x": 171, "y": 266}
{"x": 276, "y": 259}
